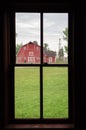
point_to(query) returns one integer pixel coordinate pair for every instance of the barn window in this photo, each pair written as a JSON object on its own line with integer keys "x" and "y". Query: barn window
{"x": 31, "y": 53}
{"x": 50, "y": 60}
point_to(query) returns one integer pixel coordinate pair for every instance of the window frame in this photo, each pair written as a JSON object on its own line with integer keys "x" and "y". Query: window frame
{"x": 41, "y": 65}
{"x": 10, "y": 38}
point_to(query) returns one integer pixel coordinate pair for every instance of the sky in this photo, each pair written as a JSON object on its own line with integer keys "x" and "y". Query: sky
{"x": 28, "y": 28}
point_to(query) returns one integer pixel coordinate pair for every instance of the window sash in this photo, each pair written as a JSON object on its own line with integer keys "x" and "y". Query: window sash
{"x": 13, "y": 65}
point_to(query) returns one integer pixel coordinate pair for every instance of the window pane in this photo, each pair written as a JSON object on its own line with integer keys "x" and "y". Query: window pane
{"x": 55, "y": 92}
{"x": 27, "y": 38}
{"x": 27, "y": 91}
{"x": 55, "y": 40}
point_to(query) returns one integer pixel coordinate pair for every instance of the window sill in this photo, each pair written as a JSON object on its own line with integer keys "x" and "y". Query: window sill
{"x": 23, "y": 126}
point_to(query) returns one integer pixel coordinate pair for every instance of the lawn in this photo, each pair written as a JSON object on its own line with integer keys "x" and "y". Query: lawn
{"x": 27, "y": 92}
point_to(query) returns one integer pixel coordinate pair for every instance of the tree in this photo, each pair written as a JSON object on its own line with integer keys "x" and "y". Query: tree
{"x": 61, "y": 53}
{"x": 66, "y": 49}
{"x": 35, "y": 42}
{"x": 18, "y": 47}
{"x": 65, "y": 37}
{"x": 65, "y": 32}
{"x": 46, "y": 46}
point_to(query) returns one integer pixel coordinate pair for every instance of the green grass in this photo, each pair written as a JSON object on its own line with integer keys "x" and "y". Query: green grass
{"x": 27, "y": 92}
{"x": 55, "y": 92}
{"x": 65, "y": 61}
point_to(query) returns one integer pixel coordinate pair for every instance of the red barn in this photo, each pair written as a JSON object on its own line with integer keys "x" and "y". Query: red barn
{"x": 30, "y": 53}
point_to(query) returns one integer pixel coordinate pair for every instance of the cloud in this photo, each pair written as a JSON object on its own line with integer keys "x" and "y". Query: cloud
{"x": 28, "y": 27}
{"x": 24, "y": 25}
{"x": 32, "y": 24}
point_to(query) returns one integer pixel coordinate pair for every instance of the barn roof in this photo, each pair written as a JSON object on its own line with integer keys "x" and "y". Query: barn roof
{"x": 34, "y": 43}
{"x": 49, "y": 52}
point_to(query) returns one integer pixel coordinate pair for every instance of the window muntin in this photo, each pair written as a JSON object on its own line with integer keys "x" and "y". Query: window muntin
{"x": 31, "y": 60}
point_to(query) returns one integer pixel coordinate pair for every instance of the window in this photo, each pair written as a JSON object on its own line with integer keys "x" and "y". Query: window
{"x": 44, "y": 87}
{"x": 50, "y": 60}
{"x": 50, "y": 97}
{"x": 31, "y": 59}
{"x": 37, "y": 48}
{"x": 31, "y": 54}
{"x": 42, "y": 72}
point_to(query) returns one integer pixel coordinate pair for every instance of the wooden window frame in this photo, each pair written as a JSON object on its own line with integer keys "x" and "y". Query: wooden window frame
{"x": 9, "y": 42}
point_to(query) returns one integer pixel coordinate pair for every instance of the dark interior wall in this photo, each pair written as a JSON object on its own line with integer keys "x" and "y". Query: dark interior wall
{"x": 80, "y": 50}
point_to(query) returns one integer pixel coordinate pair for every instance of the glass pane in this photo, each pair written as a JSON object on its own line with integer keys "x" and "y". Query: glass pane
{"x": 27, "y": 38}
{"x": 27, "y": 92}
{"x": 55, "y": 92}
{"x": 55, "y": 40}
